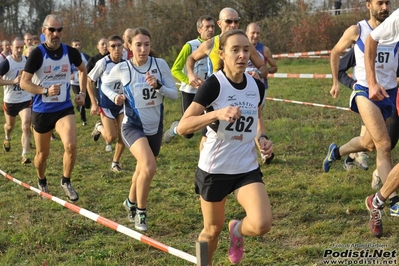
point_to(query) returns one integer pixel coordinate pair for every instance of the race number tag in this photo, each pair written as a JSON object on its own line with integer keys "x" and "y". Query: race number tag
{"x": 61, "y": 97}
{"x": 241, "y": 130}
{"x": 145, "y": 96}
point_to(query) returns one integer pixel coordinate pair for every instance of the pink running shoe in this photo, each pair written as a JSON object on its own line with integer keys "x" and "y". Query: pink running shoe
{"x": 236, "y": 249}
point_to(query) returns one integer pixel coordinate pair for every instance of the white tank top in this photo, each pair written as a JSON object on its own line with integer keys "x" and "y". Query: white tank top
{"x": 231, "y": 150}
{"x": 75, "y": 80}
{"x": 386, "y": 62}
{"x": 200, "y": 68}
{"x": 14, "y": 93}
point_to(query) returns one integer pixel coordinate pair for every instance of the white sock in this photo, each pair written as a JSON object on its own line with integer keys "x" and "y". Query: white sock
{"x": 377, "y": 202}
{"x": 235, "y": 230}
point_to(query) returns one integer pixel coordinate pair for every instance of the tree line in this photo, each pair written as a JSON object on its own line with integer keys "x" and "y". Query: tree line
{"x": 286, "y": 26}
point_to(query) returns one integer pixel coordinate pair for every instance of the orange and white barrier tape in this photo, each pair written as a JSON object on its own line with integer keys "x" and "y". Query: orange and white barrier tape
{"x": 323, "y": 52}
{"x": 309, "y": 104}
{"x": 300, "y": 76}
{"x": 108, "y": 223}
{"x": 305, "y": 54}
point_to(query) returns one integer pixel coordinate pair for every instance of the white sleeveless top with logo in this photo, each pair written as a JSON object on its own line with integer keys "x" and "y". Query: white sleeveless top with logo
{"x": 231, "y": 150}
{"x": 200, "y": 68}
{"x": 98, "y": 74}
{"x": 386, "y": 62}
{"x": 75, "y": 80}
{"x": 14, "y": 93}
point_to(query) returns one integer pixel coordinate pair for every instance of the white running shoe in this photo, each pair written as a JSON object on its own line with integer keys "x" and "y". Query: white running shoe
{"x": 95, "y": 134}
{"x": 361, "y": 160}
{"x": 170, "y": 134}
{"x": 376, "y": 181}
{"x": 108, "y": 147}
{"x": 140, "y": 221}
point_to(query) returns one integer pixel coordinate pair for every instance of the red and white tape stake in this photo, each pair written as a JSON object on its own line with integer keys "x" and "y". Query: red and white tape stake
{"x": 300, "y": 76}
{"x": 323, "y": 52}
{"x": 308, "y": 104}
{"x": 108, "y": 223}
{"x": 304, "y": 54}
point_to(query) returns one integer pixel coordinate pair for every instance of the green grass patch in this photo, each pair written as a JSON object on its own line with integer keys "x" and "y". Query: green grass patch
{"x": 312, "y": 210}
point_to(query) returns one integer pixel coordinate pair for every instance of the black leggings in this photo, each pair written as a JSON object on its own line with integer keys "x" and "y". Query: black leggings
{"x": 82, "y": 111}
{"x": 186, "y": 100}
{"x": 393, "y": 129}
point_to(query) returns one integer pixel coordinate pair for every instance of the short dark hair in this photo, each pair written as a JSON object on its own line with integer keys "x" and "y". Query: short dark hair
{"x": 114, "y": 37}
{"x": 202, "y": 18}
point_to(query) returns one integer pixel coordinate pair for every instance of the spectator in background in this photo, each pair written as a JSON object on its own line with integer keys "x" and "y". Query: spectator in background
{"x": 337, "y": 7}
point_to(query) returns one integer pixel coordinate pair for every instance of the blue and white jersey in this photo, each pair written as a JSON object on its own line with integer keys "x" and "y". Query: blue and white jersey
{"x": 252, "y": 68}
{"x": 386, "y": 61}
{"x": 143, "y": 105}
{"x": 99, "y": 73}
{"x": 53, "y": 71}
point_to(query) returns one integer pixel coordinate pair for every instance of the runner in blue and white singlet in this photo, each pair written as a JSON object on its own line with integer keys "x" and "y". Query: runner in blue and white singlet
{"x": 145, "y": 81}
{"x": 98, "y": 74}
{"x": 143, "y": 105}
{"x": 47, "y": 75}
{"x": 50, "y": 73}
{"x": 386, "y": 61}
{"x": 386, "y": 64}
{"x": 111, "y": 114}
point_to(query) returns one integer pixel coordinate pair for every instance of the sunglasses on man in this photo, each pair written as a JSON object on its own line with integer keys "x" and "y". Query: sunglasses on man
{"x": 230, "y": 21}
{"x": 52, "y": 30}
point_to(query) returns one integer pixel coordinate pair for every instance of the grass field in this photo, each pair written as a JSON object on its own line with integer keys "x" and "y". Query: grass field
{"x": 313, "y": 211}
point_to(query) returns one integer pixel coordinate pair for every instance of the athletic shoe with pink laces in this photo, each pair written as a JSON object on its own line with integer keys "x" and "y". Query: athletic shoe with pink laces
{"x": 236, "y": 249}
{"x": 375, "y": 222}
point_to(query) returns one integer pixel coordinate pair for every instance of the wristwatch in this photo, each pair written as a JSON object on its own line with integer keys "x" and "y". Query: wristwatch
{"x": 45, "y": 92}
